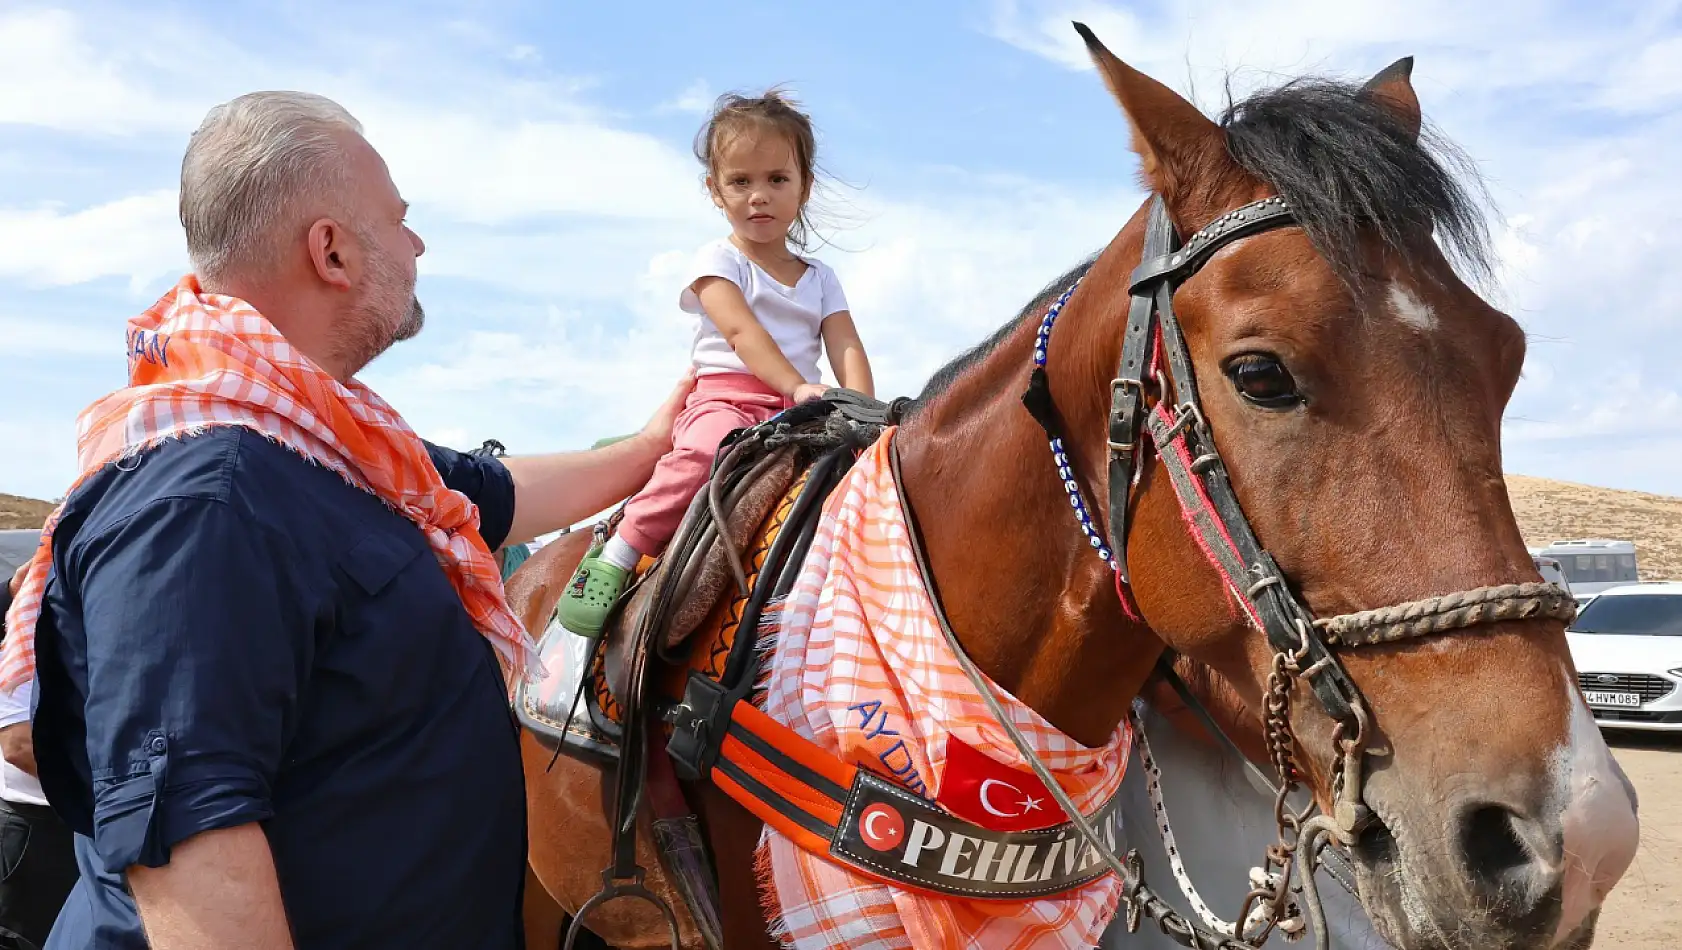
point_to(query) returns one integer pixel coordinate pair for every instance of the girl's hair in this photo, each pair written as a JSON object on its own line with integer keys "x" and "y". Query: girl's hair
{"x": 735, "y": 115}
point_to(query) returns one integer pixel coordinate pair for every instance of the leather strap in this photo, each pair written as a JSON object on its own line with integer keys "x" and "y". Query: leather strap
{"x": 1127, "y": 392}
{"x": 1173, "y": 268}
{"x": 1205, "y": 493}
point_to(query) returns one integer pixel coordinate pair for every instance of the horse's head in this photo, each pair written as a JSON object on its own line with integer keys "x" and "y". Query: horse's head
{"x": 1354, "y": 388}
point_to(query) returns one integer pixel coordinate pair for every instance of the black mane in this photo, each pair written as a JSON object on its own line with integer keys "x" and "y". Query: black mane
{"x": 1346, "y": 164}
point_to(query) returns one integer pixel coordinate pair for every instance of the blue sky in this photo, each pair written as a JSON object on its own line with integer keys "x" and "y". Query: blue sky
{"x": 546, "y": 149}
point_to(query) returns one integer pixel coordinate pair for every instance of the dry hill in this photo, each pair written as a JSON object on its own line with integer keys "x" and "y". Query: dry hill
{"x": 19, "y": 512}
{"x": 1553, "y": 511}
{"x": 1547, "y": 511}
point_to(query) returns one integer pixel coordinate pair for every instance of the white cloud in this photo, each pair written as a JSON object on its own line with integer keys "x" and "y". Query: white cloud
{"x": 36, "y": 338}
{"x": 487, "y": 151}
{"x": 137, "y": 238}
{"x": 696, "y": 98}
{"x": 497, "y": 169}
{"x": 39, "y": 437}
{"x": 56, "y": 77}
{"x": 1474, "y": 51}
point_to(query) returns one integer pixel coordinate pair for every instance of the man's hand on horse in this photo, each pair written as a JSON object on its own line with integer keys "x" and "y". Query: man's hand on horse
{"x": 658, "y": 431}
{"x": 552, "y": 492}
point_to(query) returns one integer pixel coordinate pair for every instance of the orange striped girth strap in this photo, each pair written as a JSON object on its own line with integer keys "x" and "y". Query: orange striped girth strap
{"x": 877, "y": 827}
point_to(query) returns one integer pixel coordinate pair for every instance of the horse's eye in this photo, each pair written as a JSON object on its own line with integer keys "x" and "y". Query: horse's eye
{"x": 1263, "y": 380}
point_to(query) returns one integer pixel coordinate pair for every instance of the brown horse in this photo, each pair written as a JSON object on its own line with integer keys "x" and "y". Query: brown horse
{"x": 1354, "y": 387}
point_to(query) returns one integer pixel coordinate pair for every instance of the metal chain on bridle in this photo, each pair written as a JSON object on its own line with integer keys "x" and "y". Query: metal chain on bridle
{"x": 1302, "y": 644}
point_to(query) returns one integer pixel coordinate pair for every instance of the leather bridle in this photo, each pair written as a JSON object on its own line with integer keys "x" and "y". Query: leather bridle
{"x": 1154, "y": 353}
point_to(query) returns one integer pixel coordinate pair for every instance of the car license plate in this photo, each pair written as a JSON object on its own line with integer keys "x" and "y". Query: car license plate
{"x": 1620, "y": 700}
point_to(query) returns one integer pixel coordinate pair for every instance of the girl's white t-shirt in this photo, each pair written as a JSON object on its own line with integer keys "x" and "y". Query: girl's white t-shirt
{"x": 793, "y": 316}
{"x": 16, "y": 785}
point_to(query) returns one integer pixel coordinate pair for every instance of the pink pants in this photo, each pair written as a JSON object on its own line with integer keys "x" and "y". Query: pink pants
{"x": 718, "y": 404}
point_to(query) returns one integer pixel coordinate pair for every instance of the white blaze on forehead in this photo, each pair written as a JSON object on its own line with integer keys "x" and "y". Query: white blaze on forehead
{"x": 1410, "y": 309}
{"x": 1600, "y": 827}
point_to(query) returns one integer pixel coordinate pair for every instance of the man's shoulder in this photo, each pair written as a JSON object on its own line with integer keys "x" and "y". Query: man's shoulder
{"x": 223, "y": 465}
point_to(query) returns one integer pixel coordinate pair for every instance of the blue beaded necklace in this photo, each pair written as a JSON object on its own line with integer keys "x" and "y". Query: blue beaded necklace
{"x": 1065, "y": 469}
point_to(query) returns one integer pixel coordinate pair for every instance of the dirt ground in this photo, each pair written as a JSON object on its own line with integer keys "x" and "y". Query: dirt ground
{"x": 1645, "y": 912}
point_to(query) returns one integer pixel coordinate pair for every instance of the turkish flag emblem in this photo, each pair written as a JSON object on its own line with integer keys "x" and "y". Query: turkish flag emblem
{"x": 881, "y": 827}
{"x": 996, "y": 797}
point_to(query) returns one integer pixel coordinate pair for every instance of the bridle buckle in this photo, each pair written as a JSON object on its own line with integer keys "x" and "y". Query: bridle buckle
{"x": 1193, "y": 411}
{"x": 1118, "y": 386}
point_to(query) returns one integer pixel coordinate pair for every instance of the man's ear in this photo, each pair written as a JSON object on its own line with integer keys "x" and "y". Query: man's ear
{"x": 334, "y": 253}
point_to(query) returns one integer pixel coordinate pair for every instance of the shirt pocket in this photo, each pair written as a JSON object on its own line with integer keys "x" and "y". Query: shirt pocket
{"x": 379, "y": 667}
{"x": 376, "y": 560}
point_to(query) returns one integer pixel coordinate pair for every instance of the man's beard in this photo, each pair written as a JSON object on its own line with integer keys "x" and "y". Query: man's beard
{"x": 368, "y": 330}
{"x": 411, "y": 325}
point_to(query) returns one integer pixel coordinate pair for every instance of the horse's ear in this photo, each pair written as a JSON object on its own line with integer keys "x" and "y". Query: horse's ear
{"x": 1393, "y": 88}
{"x": 1175, "y": 142}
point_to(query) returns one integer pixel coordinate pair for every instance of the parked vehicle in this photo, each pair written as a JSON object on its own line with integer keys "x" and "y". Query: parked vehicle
{"x": 1594, "y": 564}
{"x": 1627, "y": 647}
{"x": 17, "y": 545}
{"x": 1552, "y": 572}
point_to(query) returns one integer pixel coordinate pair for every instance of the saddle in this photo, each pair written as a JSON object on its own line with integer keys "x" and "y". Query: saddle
{"x": 652, "y": 697}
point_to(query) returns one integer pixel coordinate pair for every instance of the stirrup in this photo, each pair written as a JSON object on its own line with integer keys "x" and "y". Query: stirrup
{"x": 614, "y": 888}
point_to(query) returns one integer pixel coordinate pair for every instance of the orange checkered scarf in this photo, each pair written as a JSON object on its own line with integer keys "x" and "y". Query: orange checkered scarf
{"x": 198, "y": 360}
{"x": 860, "y": 667}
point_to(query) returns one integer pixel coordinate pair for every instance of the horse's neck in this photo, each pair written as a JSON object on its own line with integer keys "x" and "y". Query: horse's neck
{"x": 1026, "y": 595}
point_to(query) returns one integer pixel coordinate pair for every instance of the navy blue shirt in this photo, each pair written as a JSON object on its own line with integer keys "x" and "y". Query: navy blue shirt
{"x": 234, "y": 634}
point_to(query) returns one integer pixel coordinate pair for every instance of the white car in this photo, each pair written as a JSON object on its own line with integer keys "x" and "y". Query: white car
{"x": 1627, "y": 647}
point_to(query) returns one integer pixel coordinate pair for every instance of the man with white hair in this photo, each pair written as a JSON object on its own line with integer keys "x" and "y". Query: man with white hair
{"x": 266, "y": 630}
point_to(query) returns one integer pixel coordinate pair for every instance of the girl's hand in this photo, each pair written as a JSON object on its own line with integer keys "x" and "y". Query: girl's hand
{"x": 806, "y": 392}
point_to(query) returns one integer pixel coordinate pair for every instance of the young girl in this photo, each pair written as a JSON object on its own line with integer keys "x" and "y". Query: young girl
{"x": 763, "y": 314}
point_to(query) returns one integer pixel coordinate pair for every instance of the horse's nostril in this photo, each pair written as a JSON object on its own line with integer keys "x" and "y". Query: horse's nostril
{"x": 1496, "y": 851}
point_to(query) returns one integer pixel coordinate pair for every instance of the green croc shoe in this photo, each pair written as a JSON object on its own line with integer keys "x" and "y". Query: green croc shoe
{"x": 589, "y": 596}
